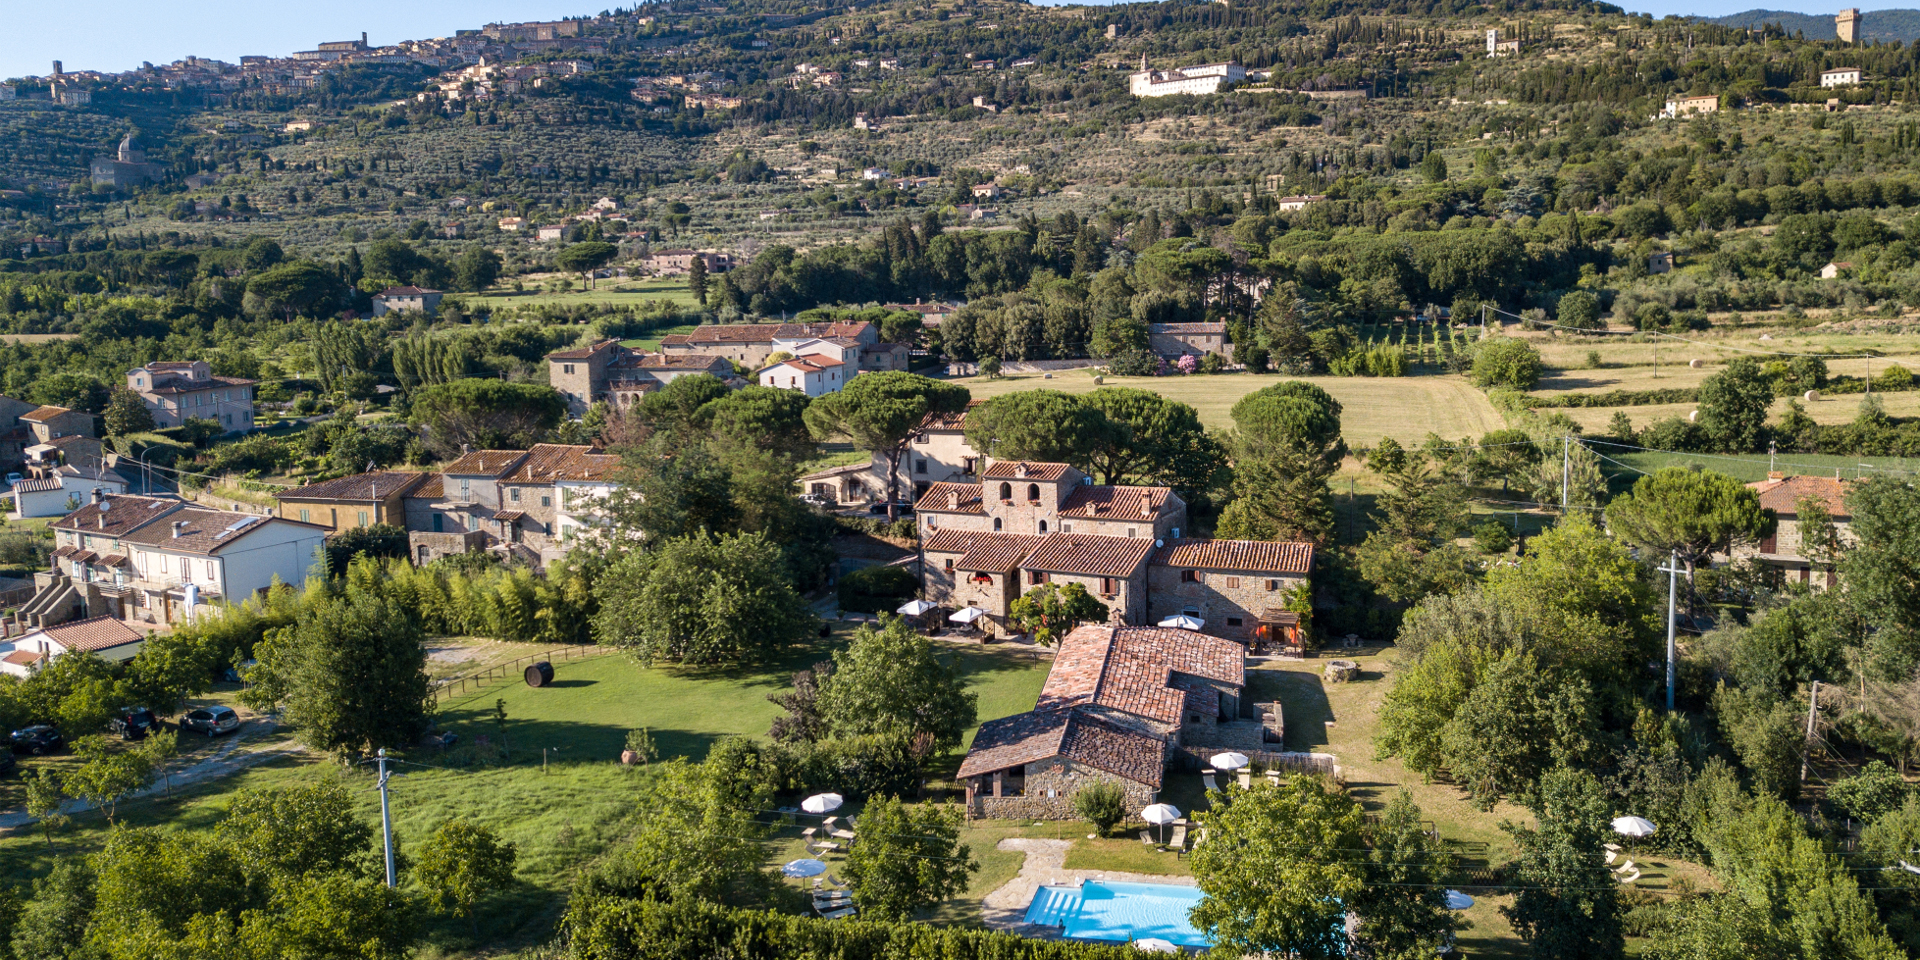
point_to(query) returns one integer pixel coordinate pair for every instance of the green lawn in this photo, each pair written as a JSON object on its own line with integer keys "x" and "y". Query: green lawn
{"x": 539, "y": 291}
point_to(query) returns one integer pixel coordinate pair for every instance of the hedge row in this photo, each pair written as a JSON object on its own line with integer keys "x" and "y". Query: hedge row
{"x": 619, "y": 928}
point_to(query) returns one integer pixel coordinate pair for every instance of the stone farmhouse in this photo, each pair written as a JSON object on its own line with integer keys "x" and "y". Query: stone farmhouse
{"x": 1024, "y": 524}
{"x": 750, "y": 344}
{"x": 1176, "y": 340}
{"x": 154, "y": 560}
{"x": 415, "y": 299}
{"x": 33, "y": 435}
{"x": 1117, "y": 705}
{"x": 938, "y": 454}
{"x": 178, "y": 392}
{"x": 606, "y": 372}
{"x": 1785, "y": 550}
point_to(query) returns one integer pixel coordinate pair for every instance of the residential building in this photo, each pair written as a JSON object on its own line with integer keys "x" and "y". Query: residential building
{"x": 29, "y": 431}
{"x": 1834, "y": 268}
{"x": 176, "y": 392}
{"x": 1660, "y": 261}
{"x": 937, "y": 454}
{"x": 988, "y": 191}
{"x": 153, "y": 560}
{"x": 1840, "y": 77}
{"x": 1118, "y": 704}
{"x": 812, "y": 375}
{"x": 1687, "y": 106}
{"x": 931, "y": 314}
{"x": 1298, "y": 202}
{"x": 1175, "y": 340}
{"x": 606, "y": 372}
{"x": 416, "y": 299}
{"x": 1497, "y": 47}
{"x": 555, "y": 496}
{"x": 673, "y": 262}
{"x": 104, "y": 637}
{"x": 352, "y": 502}
{"x": 1199, "y": 80}
{"x": 1237, "y": 588}
{"x": 1786, "y": 550}
{"x": 56, "y": 491}
{"x": 750, "y": 344}
{"x": 512, "y": 224}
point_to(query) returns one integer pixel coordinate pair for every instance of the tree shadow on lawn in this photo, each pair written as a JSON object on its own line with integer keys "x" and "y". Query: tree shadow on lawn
{"x": 570, "y": 741}
{"x": 1304, "y": 709}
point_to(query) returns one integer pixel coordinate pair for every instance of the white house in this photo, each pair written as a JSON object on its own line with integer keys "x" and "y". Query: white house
{"x": 1840, "y": 77}
{"x": 844, "y": 349}
{"x": 104, "y": 637}
{"x": 1199, "y": 80}
{"x": 67, "y": 487}
{"x": 416, "y": 299}
{"x": 1297, "y": 202}
{"x": 813, "y": 376}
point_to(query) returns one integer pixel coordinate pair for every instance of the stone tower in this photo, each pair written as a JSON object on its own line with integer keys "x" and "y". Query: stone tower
{"x": 1848, "y": 25}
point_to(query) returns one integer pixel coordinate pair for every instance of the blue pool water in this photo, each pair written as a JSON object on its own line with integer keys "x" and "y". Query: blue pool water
{"x": 1107, "y": 910}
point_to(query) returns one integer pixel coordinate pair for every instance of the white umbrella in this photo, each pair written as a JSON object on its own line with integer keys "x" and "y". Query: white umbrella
{"x": 1160, "y": 814}
{"x": 914, "y": 608}
{"x": 822, "y": 803}
{"x": 1635, "y": 827}
{"x": 1229, "y": 761}
{"x": 1458, "y": 901}
{"x": 1155, "y": 945}
{"x": 804, "y": 868}
{"x": 1183, "y": 622}
{"x": 966, "y": 615}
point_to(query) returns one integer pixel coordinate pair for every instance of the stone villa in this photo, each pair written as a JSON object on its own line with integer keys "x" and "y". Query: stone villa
{"x": 188, "y": 390}
{"x": 606, "y": 372}
{"x": 1784, "y": 550}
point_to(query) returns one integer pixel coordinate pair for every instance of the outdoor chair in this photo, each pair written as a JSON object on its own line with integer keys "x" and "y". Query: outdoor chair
{"x": 1246, "y": 779}
{"x": 1629, "y": 878}
{"x": 1611, "y": 857}
{"x": 835, "y": 881}
{"x": 837, "y": 914}
{"x": 828, "y": 823}
{"x": 809, "y": 833}
{"x": 1146, "y": 837}
{"x": 832, "y": 897}
{"x": 1626, "y": 868}
{"x": 1206, "y": 780}
{"x": 1610, "y": 846}
{"x": 1179, "y": 840}
{"x": 846, "y": 835}
{"x": 824, "y": 846}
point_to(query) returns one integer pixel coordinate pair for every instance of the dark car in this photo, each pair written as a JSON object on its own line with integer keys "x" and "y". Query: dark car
{"x": 900, "y": 509}
{"x": 211, "y": 721}
{"x": 134, "y": 723}
{"x": 7, "y": 762}
{"x": 39, "y": 740}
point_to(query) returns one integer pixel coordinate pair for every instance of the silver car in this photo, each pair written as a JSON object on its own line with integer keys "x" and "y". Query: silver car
{"x": 211, "y": 721}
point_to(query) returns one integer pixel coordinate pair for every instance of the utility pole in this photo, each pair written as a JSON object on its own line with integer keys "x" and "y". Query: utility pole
{"x": 1566, "y": 470}
{"x": 1813, "y": 712}
{"x": 1772, "y": 449}
{"x": 386, "y": 817}
{"x": 1672, "y": 570}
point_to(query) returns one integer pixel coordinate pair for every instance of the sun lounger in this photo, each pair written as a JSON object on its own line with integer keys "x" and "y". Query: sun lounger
{"x": 823, "y": 847}
{"x": 1146, "y": 837}
{"x": 838, "y": 898}
{"x": 1631, "y": 877}
{"x": 1611, "y": 857}
{"x": 835, "y": 881}
{"x": 1179, "y": 839}
{"x": 1624, "y": 868}
{"x": 809, "y": 833}
{"x": 837, "y": 914}
{"x": 1246, "y": 779}
{"x": 1610, "y": 846}
{"x": 1206, "y": 780}
{"x": 842, "y": 834}
{"x": 828, "y": 823}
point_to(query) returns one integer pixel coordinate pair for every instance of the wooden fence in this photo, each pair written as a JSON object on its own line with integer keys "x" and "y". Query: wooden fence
{"x": 512, "y": 669}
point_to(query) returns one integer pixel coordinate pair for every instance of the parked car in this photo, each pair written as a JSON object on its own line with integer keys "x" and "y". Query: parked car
{"x": 902, "y": 508}
{"x": 39, "y": 740}
{"x": 211, "y": 721}
{"x": 13, "y": 478}
{"x": 816, "y": 499}
{"x": 133, "y": 723}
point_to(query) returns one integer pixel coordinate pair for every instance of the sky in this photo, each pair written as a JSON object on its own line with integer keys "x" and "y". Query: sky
{"x": 116, "y": 35}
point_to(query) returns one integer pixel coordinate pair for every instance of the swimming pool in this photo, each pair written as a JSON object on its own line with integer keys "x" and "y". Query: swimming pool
{"x": 1109, "y": 910}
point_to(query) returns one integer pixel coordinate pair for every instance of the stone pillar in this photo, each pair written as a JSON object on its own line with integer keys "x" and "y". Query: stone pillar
{"x": 999, "y": 782}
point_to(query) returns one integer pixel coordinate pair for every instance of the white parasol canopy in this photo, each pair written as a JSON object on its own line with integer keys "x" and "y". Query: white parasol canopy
{"x": 822, "y": 803}
{"x": 1183, "y": 622}
{"x": 914, "y": 608}
{"x": 1229, "y": 761}
{"x": 804, "y": 868}
{"x": 1155, "y": 945}
{"x": 1635, "y": 827}
{"x": 1458, "y": 901}
{"x": 966, "y": 614}
{"x": 1160, "y": 813}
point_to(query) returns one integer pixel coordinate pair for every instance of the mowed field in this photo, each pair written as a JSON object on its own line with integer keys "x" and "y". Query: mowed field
{"x": 606, "y": 293}
{"x": 1404, "y": 408}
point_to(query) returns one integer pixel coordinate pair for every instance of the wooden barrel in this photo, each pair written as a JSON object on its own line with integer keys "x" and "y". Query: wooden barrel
{"x": 540, "y": 674}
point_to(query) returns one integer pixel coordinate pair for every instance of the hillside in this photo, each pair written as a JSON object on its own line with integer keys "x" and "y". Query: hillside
{"x": 1882, "y": 25}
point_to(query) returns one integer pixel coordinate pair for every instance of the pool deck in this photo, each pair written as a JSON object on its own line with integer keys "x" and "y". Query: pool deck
{"x": 1006, "y": 908}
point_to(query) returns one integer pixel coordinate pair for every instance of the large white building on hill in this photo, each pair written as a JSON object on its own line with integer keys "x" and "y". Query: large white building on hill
{"x": 1199, "y": 81}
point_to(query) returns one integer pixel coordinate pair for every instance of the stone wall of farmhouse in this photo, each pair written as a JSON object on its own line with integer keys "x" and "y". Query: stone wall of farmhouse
{"x": 1219, "y": 595}
{"x": 1061, "y": 777}
{"x": 1019, "y": 511}
{"x": 957, "y": 588}
{"x": 1128, "y": 605}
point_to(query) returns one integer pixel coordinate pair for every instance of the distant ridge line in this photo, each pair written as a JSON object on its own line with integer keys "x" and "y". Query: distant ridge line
{"x": 1882, "y": 25}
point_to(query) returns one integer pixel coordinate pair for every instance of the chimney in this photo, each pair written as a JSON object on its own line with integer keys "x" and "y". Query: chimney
{"x": 953, "y": 499}
{"x": 1146, "y": 508}
{"x": 178, "y": 525}
{"x": 1020, "y": 471}
{"x": 99, "y": 494}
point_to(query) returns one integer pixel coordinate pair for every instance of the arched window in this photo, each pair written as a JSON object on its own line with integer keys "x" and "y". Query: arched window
{"x": 1043, "y": 526}
{"x": 1033, "y": 491}
{"x": 996, "y": 524}
{"x": 1006, "y": 491}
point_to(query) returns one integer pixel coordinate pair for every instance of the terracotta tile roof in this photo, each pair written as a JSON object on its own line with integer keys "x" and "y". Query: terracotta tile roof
{"x": 768, "y": 332}
{"x": 685, "y": 361}
{"x": 509, "y": 516}
{"x": 404, "y": 292}
{"x": 1034, "y": 470}
{"x": 124, "y": 515}
{"x": 804, "y": 366}
{"x": 44, "y": 413}
{"x": 949, "y": 421}
{"x": 1031, "y": 737}
{"x": 64, "y": 551}
{"x": 583, "y": 353}
{"x": 41, "y": 485}
{"x": 171, "y": 366}
{"x": 547, "y": 462}
{"x": 485, "y": 463}
{"x": 206, "y": 532}
{"x": 1216, "y": 328}
{"x": 433, "y": 489}
{"x": 374, "y": 486}
{"x": 1116, "y": 503}
{"x": 1253, "y": 556}
{"x": 982, "y": 551}
{"x": 73, "y": 440}
{"x": 22, "y": 658}
{"x": 183, "y": 385}
{"x": 84, "y": 556}
{"x": 940, "y": 498}
{"x": 99, "y": 633}
{"x": 1131, "y": 669}
{"x": 1088, "y": 555}
{"x": 1783, "y": 496}
{"x": 676, "y": 339}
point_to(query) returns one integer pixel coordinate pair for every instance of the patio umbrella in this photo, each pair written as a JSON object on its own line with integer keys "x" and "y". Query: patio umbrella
{"x": 1160, "y": 814}
{"x": 1155, "y": 945}
{"x": 966, "y": 615}
{"x": 1635, "y": 827}
{"x": 804, "y": 868}
{"x": 1183, "y": 622}
{"x": 1229, "y": 761}
{"x": 914, "y": 608}
{"x": 822, "y": 803}
{"x": 1458, "y": 901}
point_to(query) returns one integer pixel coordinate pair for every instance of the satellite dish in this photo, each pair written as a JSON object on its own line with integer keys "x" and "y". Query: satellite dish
{"x": 105, "y": 506}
